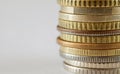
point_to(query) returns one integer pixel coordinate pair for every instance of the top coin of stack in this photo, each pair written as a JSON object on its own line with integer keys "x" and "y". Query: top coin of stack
{"x": 90, "y": 36}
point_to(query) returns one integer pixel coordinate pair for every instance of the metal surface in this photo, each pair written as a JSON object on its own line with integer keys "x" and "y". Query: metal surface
{"x": 93, "y": 65}
{"x": 90, "y": 36}
{"x": 89, "y": 18}
{"x": 90, "y": 39}
{"x": 89, "y": 26}
{"x": 88, "y": 45}
{"x": 91, "y": 59}
{"x": 78, "y": 70}
{"x": 89, "y": 3}
{"x": 88, "y": 33}
{"x": 89, "y": 52}
{"x": 91, "y": 11}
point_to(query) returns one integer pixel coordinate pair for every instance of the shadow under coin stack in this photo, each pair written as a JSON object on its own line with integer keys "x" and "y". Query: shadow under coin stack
{"x": 90, "y": 36}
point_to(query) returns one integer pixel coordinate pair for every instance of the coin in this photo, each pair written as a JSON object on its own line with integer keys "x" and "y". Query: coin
{"x": 91, "y": 11}
{"x": 89, "y": 18}
{"x": 93, "y": 65}
{"x": 91, "y": 59}
{"x": 89, "y": 26}
{"x": 90, "y": 39}
{"x": 88, "y": 33}
{"x": 78, "y": 70}
{"x": 89, "y": 52}
{"x": 90, "y": 3}
{"x": 88, "y": 45}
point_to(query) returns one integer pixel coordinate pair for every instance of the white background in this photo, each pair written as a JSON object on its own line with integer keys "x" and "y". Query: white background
{"x": 28, "y": 37}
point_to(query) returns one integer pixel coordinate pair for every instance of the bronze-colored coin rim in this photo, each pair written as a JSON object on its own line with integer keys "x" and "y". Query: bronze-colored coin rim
{"x": 88, "y": 46}
{"x": 89, "y": 3}
{"x": 88, "y": 33}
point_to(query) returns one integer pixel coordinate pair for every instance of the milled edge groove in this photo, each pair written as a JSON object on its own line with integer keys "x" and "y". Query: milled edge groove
{"x": 89, "y": 25}
{"x": 90, "y": 39}
{"x": 90, "y": 3}
{"x": 93, "y": 65}
{"x": 89, "y": 52}
{"x": 91, "y": 59}
{"x": 90, "y": 71}
{"x": 88, "y": 33}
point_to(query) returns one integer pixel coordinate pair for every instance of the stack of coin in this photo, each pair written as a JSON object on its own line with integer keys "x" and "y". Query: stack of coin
{"x": 90, "y": 36}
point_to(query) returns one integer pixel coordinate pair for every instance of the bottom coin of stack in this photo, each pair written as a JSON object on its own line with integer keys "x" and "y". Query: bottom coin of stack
{"x": 85, "y": 61}
{"x": 80, "y": 70}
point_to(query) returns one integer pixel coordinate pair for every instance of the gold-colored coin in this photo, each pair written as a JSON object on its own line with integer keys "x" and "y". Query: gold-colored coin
{"x": 89, "y": 52}
{"x": 90, "y": 3}
{"x": 88, "y": 33}
{"x": 89, "y": 18}
{"x": 91, "y": 11}
{"x": 90, "y": 39}
{"x": 88, "y": 45}
{"x": 95, "y": 26}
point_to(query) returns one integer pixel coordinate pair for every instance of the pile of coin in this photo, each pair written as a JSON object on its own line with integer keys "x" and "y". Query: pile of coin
{"x": 90, "y": 36}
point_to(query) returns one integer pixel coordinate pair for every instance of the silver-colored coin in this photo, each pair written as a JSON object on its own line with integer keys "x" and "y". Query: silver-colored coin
{"x": 92, "y": 59}
{"x": 79, "y": 70}
{"x": 93, "y": 65}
